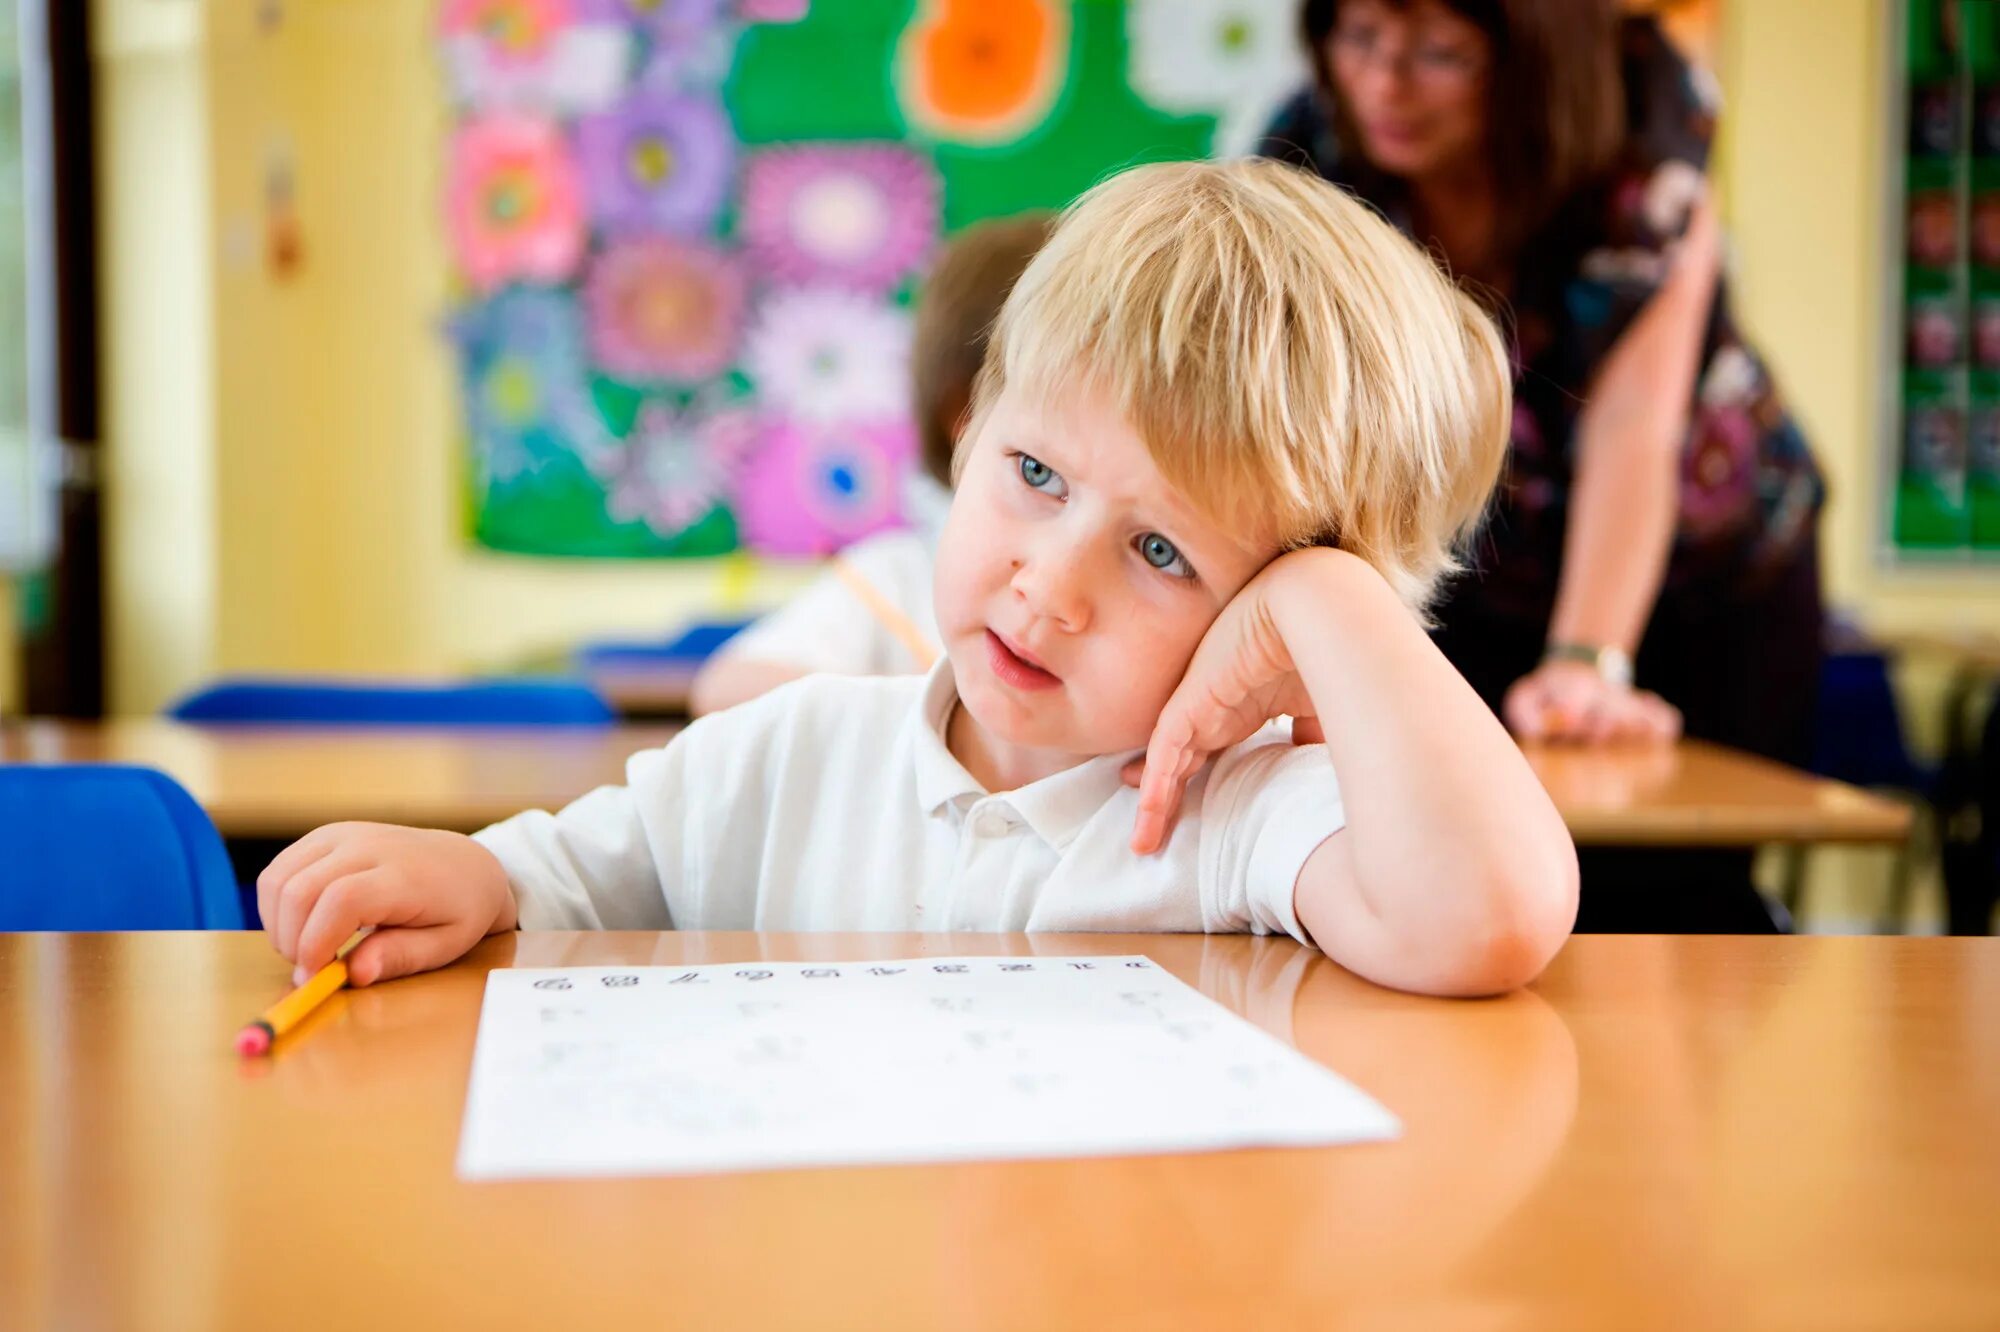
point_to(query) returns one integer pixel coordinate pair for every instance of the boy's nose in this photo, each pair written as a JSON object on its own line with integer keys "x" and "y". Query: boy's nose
{"x": 1055, "y": 586}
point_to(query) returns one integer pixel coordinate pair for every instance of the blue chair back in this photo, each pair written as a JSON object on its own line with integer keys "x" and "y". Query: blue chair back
{"x": 105, "y": 847}
{"x": 692, "y": 646}
{"x": 334, "y": 703}
{"x": 1858, "y": 732}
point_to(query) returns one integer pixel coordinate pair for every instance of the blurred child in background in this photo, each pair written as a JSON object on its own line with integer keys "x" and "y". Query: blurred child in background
{"x": 870, "y": 612}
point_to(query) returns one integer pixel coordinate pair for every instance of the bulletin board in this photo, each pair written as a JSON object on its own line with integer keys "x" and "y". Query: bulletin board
{"x": 1944, "y": 431}
{"x": 686, "y": 233}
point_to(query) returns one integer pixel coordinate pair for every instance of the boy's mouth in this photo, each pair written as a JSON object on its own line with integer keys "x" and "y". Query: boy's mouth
{"x": 1016, "y": 668}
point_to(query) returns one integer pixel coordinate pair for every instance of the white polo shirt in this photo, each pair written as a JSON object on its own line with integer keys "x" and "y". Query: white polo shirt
{"x": 833, "y": 804}
{"x": 826, "y": 627}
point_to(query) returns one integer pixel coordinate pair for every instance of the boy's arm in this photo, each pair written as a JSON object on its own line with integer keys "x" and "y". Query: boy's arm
{"x": 430, "y": 895}
{"x": 1454, "y": 873}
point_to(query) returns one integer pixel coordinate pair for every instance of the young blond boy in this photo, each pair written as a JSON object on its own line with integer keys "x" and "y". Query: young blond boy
{"x": 871, "y": 614}
{"x": 1229, "y": 427}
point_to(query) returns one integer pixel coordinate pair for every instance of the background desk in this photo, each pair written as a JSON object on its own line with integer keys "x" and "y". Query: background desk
{"x": 259, "y": 782}
{"x": 1665, "y": 1132}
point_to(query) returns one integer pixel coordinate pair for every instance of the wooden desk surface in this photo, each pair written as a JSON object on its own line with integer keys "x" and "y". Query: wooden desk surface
{"x": 1696, "y": 794}
{"x": 1664, "y": 1132}
{"x": 280, "y": 782}
{"x": 259, "y": 781}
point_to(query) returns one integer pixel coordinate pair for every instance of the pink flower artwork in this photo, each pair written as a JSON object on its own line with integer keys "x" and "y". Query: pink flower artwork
{"x": 809, "y": 489}
{"x": 665, "y": 309}
{"x": 855, "y": 215}
{"x": 772, "y": 11}
{"x": 514, "y": 202}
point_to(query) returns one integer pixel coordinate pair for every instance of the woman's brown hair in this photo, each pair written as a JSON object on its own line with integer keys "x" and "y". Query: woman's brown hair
{"x": 1555, "y": 110}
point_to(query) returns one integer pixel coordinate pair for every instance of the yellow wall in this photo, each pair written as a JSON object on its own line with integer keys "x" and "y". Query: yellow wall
{"x": 161, "y": 535}
{"x": 283, "y": 455}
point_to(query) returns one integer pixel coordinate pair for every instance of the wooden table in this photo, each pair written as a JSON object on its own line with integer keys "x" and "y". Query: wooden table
{"x": 271, "y": 782}
{"x": 279, "y": 782}
{"x": 1698, "y": 794}
{"x": 1663, "y": 1133}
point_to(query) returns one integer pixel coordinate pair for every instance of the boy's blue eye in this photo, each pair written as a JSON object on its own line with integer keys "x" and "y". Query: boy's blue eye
{"x": 1040, "y": 476}
{"x": 1163, "y": 555}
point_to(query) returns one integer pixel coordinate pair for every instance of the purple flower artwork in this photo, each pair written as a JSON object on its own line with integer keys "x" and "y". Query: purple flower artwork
{"x": 855, "y": 215}
{"x": 810, "y": 489}
{"x": 659, "y": 161}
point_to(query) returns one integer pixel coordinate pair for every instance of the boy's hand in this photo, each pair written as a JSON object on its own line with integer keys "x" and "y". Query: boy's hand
{"x": 1240, "y": 677}
{"x": 429, "y": 895}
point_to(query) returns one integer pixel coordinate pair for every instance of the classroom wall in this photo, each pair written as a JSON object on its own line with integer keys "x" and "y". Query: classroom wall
{"x": 286, "y": 456}
{"x": 1806, "y": 183}
{"x": 284, "y": 469}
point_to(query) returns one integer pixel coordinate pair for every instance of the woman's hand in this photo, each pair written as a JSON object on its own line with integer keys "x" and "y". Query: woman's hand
{"x": 429, "y": 896}
{"x": 1570, "y": 701}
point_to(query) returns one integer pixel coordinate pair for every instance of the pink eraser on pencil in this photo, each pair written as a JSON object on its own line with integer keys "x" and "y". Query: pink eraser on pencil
{"x": 254, "y": 1039}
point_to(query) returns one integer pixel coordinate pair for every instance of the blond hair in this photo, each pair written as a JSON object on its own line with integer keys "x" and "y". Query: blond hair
{"x": 956, "y": 306}
{"x": 1291, "y": 361}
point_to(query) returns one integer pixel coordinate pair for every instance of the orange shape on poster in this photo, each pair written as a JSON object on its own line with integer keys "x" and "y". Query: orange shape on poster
{"x": 982, "y": 71}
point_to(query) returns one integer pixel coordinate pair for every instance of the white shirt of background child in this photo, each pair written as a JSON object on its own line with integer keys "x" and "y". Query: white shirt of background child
{"x": 827, "y": 628}
{"x": 833, "y": 804}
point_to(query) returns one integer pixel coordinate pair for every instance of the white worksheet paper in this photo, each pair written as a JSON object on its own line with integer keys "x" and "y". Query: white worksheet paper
{"x": 769, "y": 1065}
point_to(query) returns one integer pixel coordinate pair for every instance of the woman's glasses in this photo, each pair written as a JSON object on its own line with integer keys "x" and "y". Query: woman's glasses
{"x": 1430, "y": 62}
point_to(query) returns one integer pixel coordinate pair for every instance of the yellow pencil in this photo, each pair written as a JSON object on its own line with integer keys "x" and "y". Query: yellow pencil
{"x": 898, "y": 624}
{"x": 291, "y": 1010}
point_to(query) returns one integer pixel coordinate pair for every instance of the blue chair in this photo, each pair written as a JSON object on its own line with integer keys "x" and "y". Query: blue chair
{"x": 1858, "y": 730}
{"x": 105, "y": 847}
{"x": 352, "y": 703}
{"x": 1858, "y": 739}
{"x": 692, "y": 646}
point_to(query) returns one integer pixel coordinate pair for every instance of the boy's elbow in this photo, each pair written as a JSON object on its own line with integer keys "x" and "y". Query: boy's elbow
{"x": 1525, "y": 916}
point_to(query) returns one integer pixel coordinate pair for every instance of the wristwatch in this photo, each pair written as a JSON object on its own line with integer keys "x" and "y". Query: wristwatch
{"x": 1614, "y": 664}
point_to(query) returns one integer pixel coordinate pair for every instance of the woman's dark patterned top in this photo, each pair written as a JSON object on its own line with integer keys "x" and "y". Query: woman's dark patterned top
{"x": 1749, "y": 490}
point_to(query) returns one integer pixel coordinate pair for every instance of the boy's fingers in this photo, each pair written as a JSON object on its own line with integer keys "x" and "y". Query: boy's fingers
{"x": 345, "y": 905}
{"x": 1160, "y": 793}
{"x": 387, "y": 954}
{"x": 1133, "y": 773}
{"x": 295, "y": 901}
{"x": 313, "y": 846}
{"x": 1308, "y": 731}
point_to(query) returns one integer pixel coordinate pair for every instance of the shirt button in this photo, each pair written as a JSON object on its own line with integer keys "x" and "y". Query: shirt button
{"x": 990, "y": 823}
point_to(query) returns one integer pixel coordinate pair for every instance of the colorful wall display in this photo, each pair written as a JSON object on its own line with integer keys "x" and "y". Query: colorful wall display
{"x": 1946, "y": 497}
{"x": 686, "y": 233}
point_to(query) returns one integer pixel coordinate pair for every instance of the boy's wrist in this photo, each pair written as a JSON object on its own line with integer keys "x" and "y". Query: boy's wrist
{"x": 1320, "y": 580}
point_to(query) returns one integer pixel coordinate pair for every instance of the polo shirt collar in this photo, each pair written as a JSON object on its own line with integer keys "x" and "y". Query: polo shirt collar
{"x": 1055, "y": 808}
